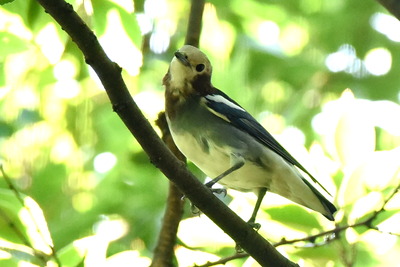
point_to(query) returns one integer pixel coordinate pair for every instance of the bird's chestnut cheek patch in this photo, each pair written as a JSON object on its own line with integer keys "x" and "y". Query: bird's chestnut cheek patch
{"x": 202, "y": 84}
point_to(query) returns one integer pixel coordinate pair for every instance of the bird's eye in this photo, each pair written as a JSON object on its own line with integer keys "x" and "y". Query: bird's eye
{"x": 200, "y": 67}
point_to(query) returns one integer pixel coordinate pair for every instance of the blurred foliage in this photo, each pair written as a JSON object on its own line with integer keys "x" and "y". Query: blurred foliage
{"x": 287, "y": 62}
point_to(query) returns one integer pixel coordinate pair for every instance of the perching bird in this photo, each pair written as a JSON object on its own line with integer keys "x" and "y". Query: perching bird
{"x": 226, "y": 142}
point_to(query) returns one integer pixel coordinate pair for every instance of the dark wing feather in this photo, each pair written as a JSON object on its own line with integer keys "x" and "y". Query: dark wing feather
{"x": 245, "y": 122}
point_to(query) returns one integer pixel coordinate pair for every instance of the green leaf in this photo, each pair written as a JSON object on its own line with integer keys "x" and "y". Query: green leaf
{"x": 23, "y": 223}
{"x": 100, "y": 10}
{"x": 324, "y": 254}
{"x": 128, "y": 20}
{"x": 295, "y": 217}
{"x": 72, "y": 255}
{"x": 131, "y": 26}
{"x": 11, "y": 228}
{"x": 17, "y": 253}
{"x": 11, "y": 44}
{"x": 2, "y": 2}
{"x": 383, "y": 216}
{"x": 34, "y": 12}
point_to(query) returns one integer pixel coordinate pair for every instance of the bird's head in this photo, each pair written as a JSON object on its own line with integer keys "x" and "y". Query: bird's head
{"x": 190, "y": 69}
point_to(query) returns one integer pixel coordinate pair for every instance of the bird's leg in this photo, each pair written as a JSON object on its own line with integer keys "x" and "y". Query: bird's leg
{"x": 237, "y": 162}
{"x": 252, "y": 221}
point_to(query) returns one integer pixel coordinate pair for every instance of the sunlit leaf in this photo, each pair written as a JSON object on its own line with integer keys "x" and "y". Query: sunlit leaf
{"x": 381, "y": 244}
{"x": 131, "y": 27}
{"x": 127, "y": 259}
{"x": 377, "y": 171}
{"x": 365, "y": 256}
{"x": 72, "y": 254}
{"x": 24, "y": 224}
{"x": 11, "y": 227}
{"x": 385, "y": 215}
{"x": 17, "y": 253}
{"x": 36, "y": 226}
{"x": 11, "y": 44}
{"x": 355, "y": 135}
{"x": 351, "y": 189}
{"x": 365, "y": 205}
{"x": 206, "y": 234}
{"x": 391, "y": 224}
{"x": 100, "y": 10}
{"x": 188, "y": 257}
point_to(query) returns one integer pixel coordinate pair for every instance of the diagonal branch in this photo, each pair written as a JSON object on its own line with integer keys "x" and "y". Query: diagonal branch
{"x": 110, "y": 75}
{"x": 393, "y": 6}
{"x": 331, "y": 235}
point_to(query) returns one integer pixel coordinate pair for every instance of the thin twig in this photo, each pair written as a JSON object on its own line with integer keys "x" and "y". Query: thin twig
{"x": 331, "y": 235}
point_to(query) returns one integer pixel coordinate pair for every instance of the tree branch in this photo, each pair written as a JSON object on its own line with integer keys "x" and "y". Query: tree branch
{"x": 194, "y": 25}
{"x": 164, "y": 251}
{"x": 110, "y": 75}
{"x": 393, "y": 6}
{"x": 332, "y": 234}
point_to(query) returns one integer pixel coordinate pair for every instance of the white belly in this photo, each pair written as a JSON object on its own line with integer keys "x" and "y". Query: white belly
{"x": 215, "y": 160}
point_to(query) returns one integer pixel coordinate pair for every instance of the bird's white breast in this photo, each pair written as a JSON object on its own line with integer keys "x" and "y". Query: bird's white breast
{"x": 216, "y": 159}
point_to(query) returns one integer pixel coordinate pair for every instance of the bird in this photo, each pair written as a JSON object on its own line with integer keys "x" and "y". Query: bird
{"x": 226, "y": 143}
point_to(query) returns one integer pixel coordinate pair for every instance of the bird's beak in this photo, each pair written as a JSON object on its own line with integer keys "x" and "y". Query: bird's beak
{"x": 181, "y": 57}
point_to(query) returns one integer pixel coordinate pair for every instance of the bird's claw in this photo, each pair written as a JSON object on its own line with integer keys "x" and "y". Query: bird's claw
{"x": 238, "y": 249}
{"x": 254, "y": 225}
{"x": 194, "y": 209}
{"x": 218, "y": 191}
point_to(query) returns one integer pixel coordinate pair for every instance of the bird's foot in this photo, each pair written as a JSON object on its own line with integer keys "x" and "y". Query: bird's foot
{"x": 194, "y": 209}
{"x": 239, "y": 249}
{"x": 254, "y": 225}
{"x": 218, "y": 191}
{"x": 215, "y": 190}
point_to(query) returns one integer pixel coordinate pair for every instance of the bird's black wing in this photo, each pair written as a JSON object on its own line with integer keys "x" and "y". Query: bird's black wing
{"x": 222, "y": 105}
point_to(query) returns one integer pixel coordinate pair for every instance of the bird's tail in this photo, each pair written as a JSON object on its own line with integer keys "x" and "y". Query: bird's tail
{"x": 330, "y": 209}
